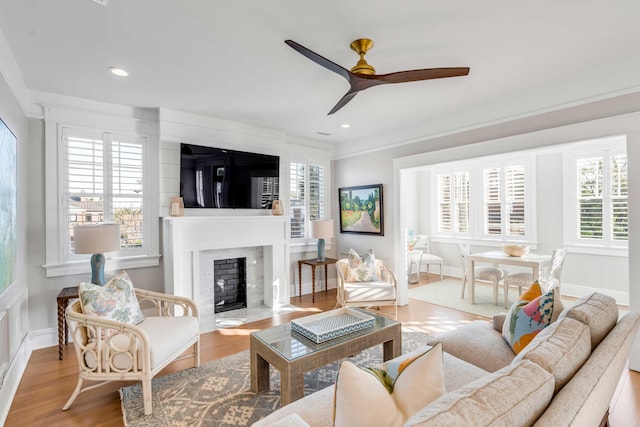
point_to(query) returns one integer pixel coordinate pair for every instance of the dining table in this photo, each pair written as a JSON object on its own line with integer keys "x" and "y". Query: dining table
{"x": 533, "y": 261}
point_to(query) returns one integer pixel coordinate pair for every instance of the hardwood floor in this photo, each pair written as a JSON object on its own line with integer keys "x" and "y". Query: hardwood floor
{"x": 48, "y": 382}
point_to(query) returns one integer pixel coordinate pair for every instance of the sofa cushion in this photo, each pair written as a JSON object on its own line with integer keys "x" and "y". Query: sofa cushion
{"x": 526, "y": 318}
{"x": 515, "y": 395}
{"x": 388, "y": 397}
{"x": 477, "y": 343}
{"x": 561, "y": 349}
{"x": 598, "y": 311}
{"x": 116, "y": 300}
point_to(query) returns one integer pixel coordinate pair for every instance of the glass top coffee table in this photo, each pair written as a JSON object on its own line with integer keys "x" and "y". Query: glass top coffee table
{"x": 293, "y": 355}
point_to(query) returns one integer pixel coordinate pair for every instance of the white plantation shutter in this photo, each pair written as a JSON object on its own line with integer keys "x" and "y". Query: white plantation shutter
{"x": 493, "y": 201}
{"x": 297, "y": 199}
{"x": 306, "y": 196}
{"x": 453, "y": 202}
{"x": 590, "y": 176}
{"x": 505, "y": 201}
{"x": 484, "y": 199}
{"x": 461, "y": 201}
{"x": 602, "y": 198}
{"x": 619, "y": 200}
{"x": 515, "y": 198}
{"x": 104, "y": 183}
{"x": 127, "y": 191}
{"x": 316, "y": 192}
{"x": 444, "y": 203}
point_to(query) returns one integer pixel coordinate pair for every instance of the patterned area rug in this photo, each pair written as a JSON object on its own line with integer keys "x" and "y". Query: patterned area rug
{"x": 217, "y": 393}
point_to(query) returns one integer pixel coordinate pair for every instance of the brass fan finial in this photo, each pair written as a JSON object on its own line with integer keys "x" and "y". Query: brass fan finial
{"x": 361, "y": 47}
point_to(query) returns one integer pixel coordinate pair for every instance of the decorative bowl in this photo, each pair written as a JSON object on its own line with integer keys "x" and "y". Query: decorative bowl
{"x": 515, "y": 250}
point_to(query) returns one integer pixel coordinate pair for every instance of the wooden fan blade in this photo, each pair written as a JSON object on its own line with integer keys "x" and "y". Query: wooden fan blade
{"x": 425, "y": 74}
{"x": 343, "y": 101}
{"x": 318, "y": 59}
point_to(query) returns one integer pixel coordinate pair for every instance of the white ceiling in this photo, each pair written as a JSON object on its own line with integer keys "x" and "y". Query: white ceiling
{"x": 228, "y": 59}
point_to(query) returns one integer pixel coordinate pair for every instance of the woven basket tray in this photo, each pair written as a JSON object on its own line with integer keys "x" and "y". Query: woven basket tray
{"x": 331, "y": 324}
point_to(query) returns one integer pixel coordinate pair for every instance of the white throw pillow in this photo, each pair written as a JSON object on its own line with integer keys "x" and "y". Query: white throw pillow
{"x": 388, "y": 397}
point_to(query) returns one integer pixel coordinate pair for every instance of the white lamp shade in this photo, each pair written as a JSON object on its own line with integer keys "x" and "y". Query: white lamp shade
{"x": 322, "y": 229}
{"x": 96, "y": 239}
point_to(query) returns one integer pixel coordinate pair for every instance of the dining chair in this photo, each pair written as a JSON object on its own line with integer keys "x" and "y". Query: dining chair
{"x": 549, "y": 274}
{"x": 427, "y": 258}
{"x": 484, "y": 274}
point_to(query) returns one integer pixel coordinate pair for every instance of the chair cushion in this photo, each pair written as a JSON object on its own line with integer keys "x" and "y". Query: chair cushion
{"x": 519, "y": 279}
{"x": 431, "y": 259}
{"x": 167, "y": 336}
{"x": 369, "y": 291}
{"x": 488, "y": 273}
{"x": 116, "y": 300}
{"x": 516, "y": 395}
{"x": 390, "y": 394}
{"x": 598, "y": 311}
{"x": 527, "y": 317}
{"x": 561, "y": 349}
{"x": 363, "y": 269}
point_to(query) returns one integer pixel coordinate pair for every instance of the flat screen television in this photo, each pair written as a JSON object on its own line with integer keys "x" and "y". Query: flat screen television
{"x": 220, "y": 178}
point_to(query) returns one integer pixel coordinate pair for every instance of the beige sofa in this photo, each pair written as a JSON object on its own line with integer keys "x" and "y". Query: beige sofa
{"x": 565, "y": 377}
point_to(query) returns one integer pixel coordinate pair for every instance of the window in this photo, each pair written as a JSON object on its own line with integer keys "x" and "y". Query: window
{"x": 104, "y": 183}
{"x": 100, "y": 168}
{"x": 505, "y": 201}
{"x": 597, "y": 210}
{"x": 485, "y": 199}
{"x": 306, "y": 196}
{"x": 453, "y": 203}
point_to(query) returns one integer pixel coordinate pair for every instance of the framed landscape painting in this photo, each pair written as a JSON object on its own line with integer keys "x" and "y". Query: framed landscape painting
{"x": 8, "y": 207}
{"x": 361, "y": 209}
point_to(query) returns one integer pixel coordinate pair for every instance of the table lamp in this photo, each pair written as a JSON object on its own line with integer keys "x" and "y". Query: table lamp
{"x": 321, "y": 229}
{"x": 95, "y": 240}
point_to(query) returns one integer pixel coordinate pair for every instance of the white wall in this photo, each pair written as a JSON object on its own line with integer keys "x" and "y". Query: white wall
{"x": 14, "y": 314}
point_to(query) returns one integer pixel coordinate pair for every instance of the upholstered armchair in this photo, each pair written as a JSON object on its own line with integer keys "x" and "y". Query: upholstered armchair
{"x": 109, "y": 350}
{"x": 367, "y": 293}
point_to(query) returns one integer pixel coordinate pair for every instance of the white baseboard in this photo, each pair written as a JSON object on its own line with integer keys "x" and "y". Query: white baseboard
{"x": 12, "y": 377}
{"x": 567, "y": 289}
{"x": 577, "y": 291}
{"x": 43, "y": 338}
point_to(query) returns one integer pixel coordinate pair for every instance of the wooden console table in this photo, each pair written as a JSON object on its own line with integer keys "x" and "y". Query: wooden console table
{"x": 63, "y": 302}
{"x": 314, "y": 263}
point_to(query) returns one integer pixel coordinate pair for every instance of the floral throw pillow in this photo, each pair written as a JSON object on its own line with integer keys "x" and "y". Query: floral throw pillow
{"x": 362, "y": 269}
{"x": 116, "y": 300}
{"x": 528, "y": 316}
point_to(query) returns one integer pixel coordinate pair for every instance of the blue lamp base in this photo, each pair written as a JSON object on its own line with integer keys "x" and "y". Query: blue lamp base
{"x": 97, "y": 269}
{"x": 320, "y": 250}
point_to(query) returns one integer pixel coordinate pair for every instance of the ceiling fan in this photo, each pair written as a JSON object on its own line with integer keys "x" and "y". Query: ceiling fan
{"x": 363, "y": 76}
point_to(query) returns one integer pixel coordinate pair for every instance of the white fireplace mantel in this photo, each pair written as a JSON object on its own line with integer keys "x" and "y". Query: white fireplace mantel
{"x": 185, "y": 237}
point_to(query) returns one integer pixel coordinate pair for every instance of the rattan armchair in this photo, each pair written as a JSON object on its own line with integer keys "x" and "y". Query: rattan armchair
{"x": 367, "y": 294}
{"x": 115, "y": 351}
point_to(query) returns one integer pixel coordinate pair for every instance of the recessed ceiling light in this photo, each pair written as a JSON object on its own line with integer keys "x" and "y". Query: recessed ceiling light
{"x": 118, "y": 71}
{"x": 345, "y": 126}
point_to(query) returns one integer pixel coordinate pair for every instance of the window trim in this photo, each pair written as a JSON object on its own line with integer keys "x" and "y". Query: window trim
{"x": 55, "y": 119}
{"x": 615, "y": 144}
{"x": 476, "y": 167}
{"x": 303, "y": 244}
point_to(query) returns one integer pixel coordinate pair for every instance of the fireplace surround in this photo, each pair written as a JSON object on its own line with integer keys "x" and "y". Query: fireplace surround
{"x": 186, "y": 238}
